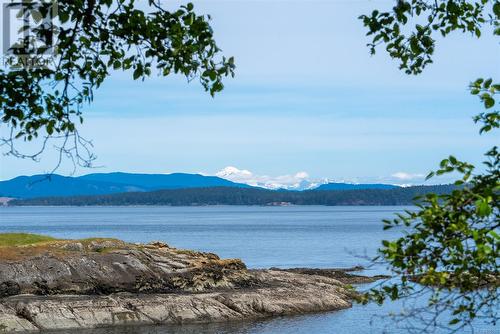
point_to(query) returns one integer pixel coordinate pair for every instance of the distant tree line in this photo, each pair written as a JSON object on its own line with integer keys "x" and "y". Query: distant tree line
{"x": 246, "y": 196}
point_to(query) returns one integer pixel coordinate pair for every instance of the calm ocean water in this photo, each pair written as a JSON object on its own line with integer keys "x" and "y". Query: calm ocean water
{"x": 295, "y": 236}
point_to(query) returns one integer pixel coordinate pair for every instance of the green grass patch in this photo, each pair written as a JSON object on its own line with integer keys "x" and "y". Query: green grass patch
{"x": 20, "y": 239}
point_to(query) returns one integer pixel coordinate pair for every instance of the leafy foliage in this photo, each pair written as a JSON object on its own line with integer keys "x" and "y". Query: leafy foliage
{"x": 452, "y": 241}
{"x": 486, "y": 91}
{"x": 414, "y": 49}
{"x": 451, "y": 246}
{"x": 94, "y": 37}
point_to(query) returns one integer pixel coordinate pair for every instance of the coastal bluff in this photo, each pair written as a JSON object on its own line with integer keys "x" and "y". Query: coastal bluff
{"x": 50, "y": 284}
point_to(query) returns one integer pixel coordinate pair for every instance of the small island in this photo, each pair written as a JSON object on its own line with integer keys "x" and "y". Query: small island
{"x": 49, "y": 284}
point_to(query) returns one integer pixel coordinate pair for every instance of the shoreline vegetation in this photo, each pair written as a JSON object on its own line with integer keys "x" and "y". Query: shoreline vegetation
{"x": 50, "y": 284}
{"x": 243, "y": 196}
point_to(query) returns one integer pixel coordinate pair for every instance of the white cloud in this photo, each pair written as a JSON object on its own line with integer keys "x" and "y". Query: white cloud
{"x": 297, "y": 181}
{"x": 302, "y": 181}
{"x": 403, "y": 176}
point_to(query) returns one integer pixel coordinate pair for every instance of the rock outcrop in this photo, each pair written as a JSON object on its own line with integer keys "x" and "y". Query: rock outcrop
{"x": 96, "y": 283}
{"x": 100, "y": 267}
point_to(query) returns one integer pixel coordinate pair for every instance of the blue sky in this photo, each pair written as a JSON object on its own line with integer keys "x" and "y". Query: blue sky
{"x": 307, "y": 97}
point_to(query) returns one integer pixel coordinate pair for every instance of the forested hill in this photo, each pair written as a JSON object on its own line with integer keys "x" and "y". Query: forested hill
{"x": 46, "y": 185}
{"x": 245, "y": 196}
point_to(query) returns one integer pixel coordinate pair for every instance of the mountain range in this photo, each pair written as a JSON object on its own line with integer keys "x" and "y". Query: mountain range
{"x": 112, "y": 183}
{"x": 105, "y": 183}
{"x": 353, "y": 186}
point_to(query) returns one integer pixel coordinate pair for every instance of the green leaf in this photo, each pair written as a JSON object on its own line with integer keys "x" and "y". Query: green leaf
{"x": 483, "y": 208}
{"x": 63, "y": 16}
{"x": 488, "y": 102}
{"x": 494, "y": 235}
{"x": 496, "y": 9}
{"x": 36, "y": 15}
{"x": 137, "y": 73}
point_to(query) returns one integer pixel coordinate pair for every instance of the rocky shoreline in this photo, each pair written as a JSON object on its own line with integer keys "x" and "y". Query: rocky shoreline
{"x": 92, "y": 283}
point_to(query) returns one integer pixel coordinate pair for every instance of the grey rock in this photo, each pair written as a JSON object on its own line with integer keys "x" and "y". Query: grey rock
{"x": 114, "y": 284}
{"x": 73, "y": 246}
{"x": 158, "y": 244}
{"x": 289, "y": 294}
{"x": 9, "y": 288}
{"x": 343, "y": 275}
{"x": 100, "y": 245}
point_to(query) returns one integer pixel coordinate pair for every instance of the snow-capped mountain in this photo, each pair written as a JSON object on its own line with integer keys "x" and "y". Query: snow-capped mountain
{"x": 297, "y": 181}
